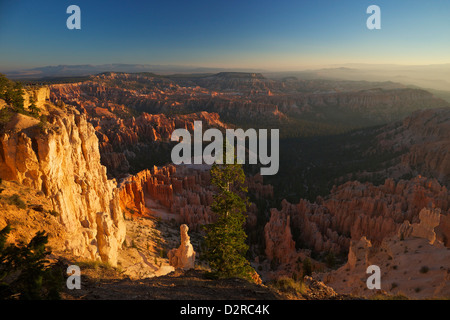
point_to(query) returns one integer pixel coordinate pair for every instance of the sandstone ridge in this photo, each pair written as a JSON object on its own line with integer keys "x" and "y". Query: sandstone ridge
{"x": 61, "y": 158}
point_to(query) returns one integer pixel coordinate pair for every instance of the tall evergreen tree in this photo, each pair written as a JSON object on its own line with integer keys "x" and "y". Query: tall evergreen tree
{"x": 225, "y": 238}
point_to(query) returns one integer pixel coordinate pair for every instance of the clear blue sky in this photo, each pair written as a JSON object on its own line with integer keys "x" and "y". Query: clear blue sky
{"x": 223, "y": 33}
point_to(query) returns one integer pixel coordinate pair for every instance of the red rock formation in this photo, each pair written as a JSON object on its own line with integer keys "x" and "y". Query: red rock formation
{"x": 121, "y": 139}
{"x": 62, "y": 160}
{"x": 150, "y": 127}
{"x": 354, "y": 210}
{"x": 277, "y": 232}
{"x": 181, "y": 190}
{"x": 424, "y": 140}
{"x": 402, "y": 259}
{"x": 429, "y": 219}
{"x": 183, "y": 257}
{"x": 242, "y": 96}
{"x": 258, "y": 188}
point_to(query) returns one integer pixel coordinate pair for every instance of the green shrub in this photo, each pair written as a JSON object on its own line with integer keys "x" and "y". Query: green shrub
{"x": 95, "y": 264}
{"x": 5, "y": 116}
{"x": 398, "y": 296}
{"x": 12, "y": 93}
{"x": 424, "y": 269}
{"x": 25, "y": 272}
{"x": 17, "y": 201}
{"x": 42, "y": 122}
{"x": 34, "y": 111}
{"x": 287, "y": 284}
{"x": 54, "y": 213}
{"x": 307, "y": 267}
{"x": 330, "y": 260}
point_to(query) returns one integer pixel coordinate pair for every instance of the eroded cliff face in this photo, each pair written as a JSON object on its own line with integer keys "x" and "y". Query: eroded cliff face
{"x": 423, "y": 139}
{"x": 175, "y": 191}
{"x": 182, "y": 192}
{"x": 412, "y": 262}
{"x": 354, "y": 210}
{"x": 61, "y": 158}
{"x": 39, "y": 96}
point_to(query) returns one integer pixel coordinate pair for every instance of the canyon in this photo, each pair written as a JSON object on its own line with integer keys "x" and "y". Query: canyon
{"x": 100, "y": 158}
{"x": 251, "y": 99}
{"x": 352, "y": 211}
{"x": 292, "y": 232}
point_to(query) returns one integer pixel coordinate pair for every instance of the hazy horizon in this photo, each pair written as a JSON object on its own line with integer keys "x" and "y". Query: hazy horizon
{"x": 238, "y": 69}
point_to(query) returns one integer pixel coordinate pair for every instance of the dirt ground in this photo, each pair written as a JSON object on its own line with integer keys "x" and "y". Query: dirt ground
{"x": 178, "y": 285}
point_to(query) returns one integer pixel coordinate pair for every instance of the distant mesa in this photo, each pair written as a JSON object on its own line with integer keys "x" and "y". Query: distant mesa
{"x": 89, "y": 69}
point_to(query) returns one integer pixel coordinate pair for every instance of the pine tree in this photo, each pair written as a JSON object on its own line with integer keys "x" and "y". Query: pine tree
{"x": 12, "y": 93}
{"x": 225, "y": 238}
{"x": 25, "y": 270}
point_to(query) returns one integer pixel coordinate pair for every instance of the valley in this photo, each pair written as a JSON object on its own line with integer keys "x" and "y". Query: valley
{"x": 358, "y": 160}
